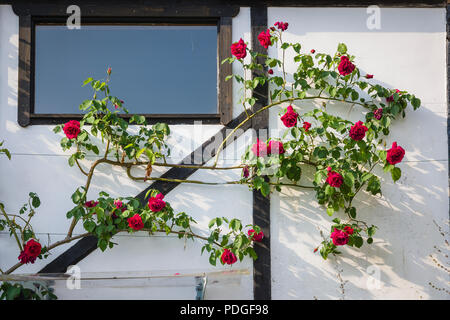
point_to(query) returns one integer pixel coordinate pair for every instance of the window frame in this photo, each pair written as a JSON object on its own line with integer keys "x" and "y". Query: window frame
{"x": 31, "y": 15}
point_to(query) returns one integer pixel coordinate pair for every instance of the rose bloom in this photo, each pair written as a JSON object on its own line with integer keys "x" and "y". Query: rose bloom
{"x": 72, "y": 129}
{"x": 275, "y": 147}
{"x": 358, "y": 131}
{"x": 135, "y": 222}
{"x": 334, "y": 179}
{"x": 369, "y": 76}
{"x": 255, "y": 236}
{"x": 270, "y": 71}
{"x": 395, "y": 154}
{"x": 238, "y": 49}
{"x": 31, "y": 251}
{"x": 228, "y": 257}
{"x": 391, "y": 98}
{"x": 348, "y": 230}
{"x": 306, "y": 126}
{"x": 345, "y": 66}
{"x": 245, "y": 172}
{"x": 264, "y": 38}
{"x": 339, "y": 237}
{"x": 290, "y": 117}
{"x": 91, "y": 204}
{"x": 313, "y": 51}
{"x": 378, "y": 114}
{"x": 281, "y": 25}
{"x": 259, "y": 149}
{"x": 157, "y": 203}
{"x": 119, "y": 205}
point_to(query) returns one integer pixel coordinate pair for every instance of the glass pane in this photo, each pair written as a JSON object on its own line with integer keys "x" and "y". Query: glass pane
{"x": 155, "y": 69}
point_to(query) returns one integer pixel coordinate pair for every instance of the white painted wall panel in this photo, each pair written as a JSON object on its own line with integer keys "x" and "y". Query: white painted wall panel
{"x": 408, "y": 53}
{"x": 40, "y": 165}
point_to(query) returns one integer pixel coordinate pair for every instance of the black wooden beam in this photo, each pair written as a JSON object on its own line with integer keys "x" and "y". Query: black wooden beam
{"x": 261, "y": 205}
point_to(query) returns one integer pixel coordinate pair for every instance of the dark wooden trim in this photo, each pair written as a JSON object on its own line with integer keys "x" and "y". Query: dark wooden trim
{"x": 82, "y": 248}
{"x": 225, "y": 96}
{"x": 122, "y": 12}
{"x": 208, "y": 7}
{"x": 123, "y": 8}
{"x": 53, "y": 119}
{"x": 25, "y": 86}
{"x": 262, "y": 279}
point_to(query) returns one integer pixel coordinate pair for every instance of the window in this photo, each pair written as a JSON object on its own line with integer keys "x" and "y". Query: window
{"x": 157, "y": 69}
{"x": 162, "y": 58}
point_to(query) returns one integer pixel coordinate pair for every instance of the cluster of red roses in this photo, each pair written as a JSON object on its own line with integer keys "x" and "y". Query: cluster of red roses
{"x": 31, "y": 251}
{"x": 239, "y": 49}
{"x": 155, "y": 204}
{"x": 228, "y": 257}
{"x": 340, "y": 237}
{"x": 290, "y": 119}
{"x": 262, "y": 149}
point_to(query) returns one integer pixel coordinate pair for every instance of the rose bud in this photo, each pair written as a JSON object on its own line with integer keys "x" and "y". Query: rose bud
{"x": 313, "y": 51}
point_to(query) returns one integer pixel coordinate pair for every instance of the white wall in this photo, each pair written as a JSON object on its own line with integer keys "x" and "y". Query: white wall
{"x": 409, "y": 53}
{"x": 38, "y": 164}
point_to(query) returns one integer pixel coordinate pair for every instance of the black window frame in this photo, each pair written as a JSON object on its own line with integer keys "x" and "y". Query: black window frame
{"x": 31, "y": 14}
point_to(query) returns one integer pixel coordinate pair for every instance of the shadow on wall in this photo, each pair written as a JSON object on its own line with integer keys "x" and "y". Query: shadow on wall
{"x": 409, "y": 215}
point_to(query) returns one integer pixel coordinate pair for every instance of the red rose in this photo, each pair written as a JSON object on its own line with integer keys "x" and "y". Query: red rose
{"x": 377, "y": 114}
{"x": 259, "y": 149}
{"x": 264, "y": 38}
{"x": 31, "y": 251}
{"x": 281, "y": 25}
{"x": 119, "y": 205}
{"x": 358, "y": 131}
{"x": 369, "y": 76}
{"x": 290, "y": 117}
{"x": 334, "y": 179}
{"x": 72, "y": 129}
{"x": 91, "y": 204}
{"x": 239, "y": 49}
{"x": 157, "y": 203}
{"x": 313, "y": 51}
{"x": 108, "y": 71}
{"x": 245, "y": 172}
{"x": 270, "y": 71}
{"x": 306, "y": 126}
{"x": 339, "y": 237}
{"x": 275, "y": 147}
{"x": 395, "y": 154}
{"x": 255, "y": 236}
{"x": 348, "y": 229}
{"x": 228, "y": 257}
{"x": 391, "y": 98}
{"x": 345, "y": 66}
{"x": 135, "y": 222}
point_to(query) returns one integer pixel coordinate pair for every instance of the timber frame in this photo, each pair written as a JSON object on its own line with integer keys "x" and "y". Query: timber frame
{"x": 223, "y": 11}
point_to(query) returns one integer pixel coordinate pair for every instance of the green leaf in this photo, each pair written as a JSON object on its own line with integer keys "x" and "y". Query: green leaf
{"x": 89, "y": 225}
{"x": 358, "y": 242}
{"x": 265, "y": 189}
{"x": 396, "y": 173}
{"x": 330, "y": 211}
{"x": 342, "y": 48}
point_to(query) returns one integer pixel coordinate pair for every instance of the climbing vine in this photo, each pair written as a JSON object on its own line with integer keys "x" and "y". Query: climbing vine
{"x": 341, "y": 153}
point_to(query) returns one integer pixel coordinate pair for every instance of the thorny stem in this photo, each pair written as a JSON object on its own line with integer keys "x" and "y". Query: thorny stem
{"x": 11, "y": 227}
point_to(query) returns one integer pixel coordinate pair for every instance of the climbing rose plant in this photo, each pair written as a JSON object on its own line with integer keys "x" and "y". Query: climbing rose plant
{"x": 342, "y": 154}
